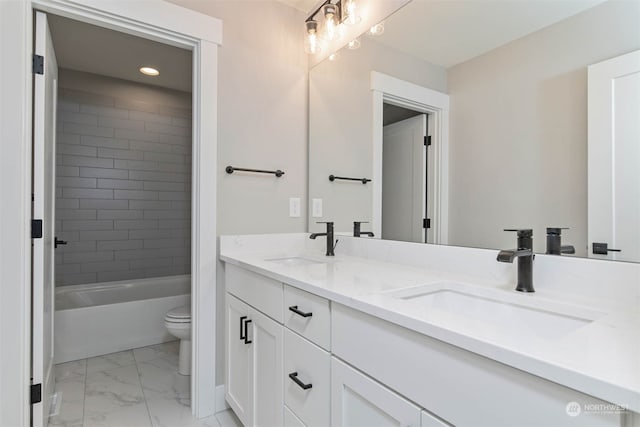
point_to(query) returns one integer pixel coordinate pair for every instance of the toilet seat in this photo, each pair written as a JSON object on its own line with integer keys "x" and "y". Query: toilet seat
{"x": 179, "y": 315}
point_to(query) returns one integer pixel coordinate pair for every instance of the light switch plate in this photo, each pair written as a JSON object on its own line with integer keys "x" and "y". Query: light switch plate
{"x": 316, "y": 210}
{"x": 294, "y": 207}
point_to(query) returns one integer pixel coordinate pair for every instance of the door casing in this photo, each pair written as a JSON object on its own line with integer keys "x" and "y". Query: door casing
{"x": 387, "y": 89}
{"x": 165, "y": 23}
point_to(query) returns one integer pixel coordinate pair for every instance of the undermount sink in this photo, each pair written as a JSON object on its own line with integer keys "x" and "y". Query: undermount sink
{"x": 293, "y": 261}
{"x": 496, "y": 312}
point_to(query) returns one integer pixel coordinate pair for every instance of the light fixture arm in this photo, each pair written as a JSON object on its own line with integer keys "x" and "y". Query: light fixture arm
{"x": 338, "y": 5}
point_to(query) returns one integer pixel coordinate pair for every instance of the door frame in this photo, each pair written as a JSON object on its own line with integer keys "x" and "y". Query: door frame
{"x": 435, "y": 104}
{"x": 166, "y": 23}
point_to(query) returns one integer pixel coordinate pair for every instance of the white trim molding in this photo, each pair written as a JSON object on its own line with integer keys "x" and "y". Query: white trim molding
{"x": 436, "y": 104}
{"x": 15, "y": 192}
{"x": 160, "y": 21}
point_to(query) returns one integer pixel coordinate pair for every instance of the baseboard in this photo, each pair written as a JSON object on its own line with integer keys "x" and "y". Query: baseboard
{"x": 221, "y": 403}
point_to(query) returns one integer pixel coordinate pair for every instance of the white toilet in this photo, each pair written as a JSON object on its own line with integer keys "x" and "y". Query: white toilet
{"x": 178, "y": 323}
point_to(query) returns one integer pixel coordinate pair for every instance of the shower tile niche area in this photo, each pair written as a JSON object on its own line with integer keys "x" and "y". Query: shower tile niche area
{"x": 123, "y": 180}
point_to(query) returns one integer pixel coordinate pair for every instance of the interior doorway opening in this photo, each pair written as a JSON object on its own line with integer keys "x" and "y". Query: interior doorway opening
{"x": 405, "y": 175}
{"x": 112, "y": 184}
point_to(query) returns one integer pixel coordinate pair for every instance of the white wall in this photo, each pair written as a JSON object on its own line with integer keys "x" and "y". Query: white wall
{"x": 262, "y": 122}
{"x": 518, "y": 141}
{"x": 341, "y": 123}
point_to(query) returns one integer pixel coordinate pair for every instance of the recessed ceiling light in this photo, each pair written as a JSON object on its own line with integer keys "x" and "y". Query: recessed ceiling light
{"x": 149, "y": 71}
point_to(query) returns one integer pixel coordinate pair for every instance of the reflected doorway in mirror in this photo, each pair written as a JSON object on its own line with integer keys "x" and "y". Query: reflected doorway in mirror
{"x": 435, "y": 105}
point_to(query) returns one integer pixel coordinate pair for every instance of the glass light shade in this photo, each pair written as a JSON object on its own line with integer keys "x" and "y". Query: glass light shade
{"x": 312, "y": 41}
{"x": 353, "y": 44}
{"x": 376, "y": 30}
{"x": 334, "y": 56}
{"x": 331, "y": 29}
{"x": 350, "y": 12}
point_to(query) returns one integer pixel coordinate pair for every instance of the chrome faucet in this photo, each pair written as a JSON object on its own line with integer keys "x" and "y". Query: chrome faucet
{"x": 554, "y": 242}
{"x": 329, "y": 234}
{"x": 357, "y": 232}
{"x": 525, "y": 256}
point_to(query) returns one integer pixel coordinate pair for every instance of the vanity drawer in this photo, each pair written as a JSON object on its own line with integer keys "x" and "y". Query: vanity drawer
{"x": 308, "y": 315}
{"x": 258, "y": 291}
{"x": 310, "y": 365}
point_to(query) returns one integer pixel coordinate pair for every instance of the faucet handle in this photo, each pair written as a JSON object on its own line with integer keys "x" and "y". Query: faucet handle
{"x": 522, "y": 232}
{"x": 556, "y": 231}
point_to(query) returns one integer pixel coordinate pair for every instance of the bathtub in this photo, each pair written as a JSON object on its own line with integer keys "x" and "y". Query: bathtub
{"x": 101, "y": 318}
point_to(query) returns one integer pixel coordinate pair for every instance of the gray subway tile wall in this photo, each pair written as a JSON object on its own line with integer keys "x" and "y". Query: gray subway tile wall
{"x": 123, "y": 189}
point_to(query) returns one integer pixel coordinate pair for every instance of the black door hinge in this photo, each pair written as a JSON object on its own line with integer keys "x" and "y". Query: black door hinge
{"x": 426, "y": 223}
{"x": 36, "y": 229}
{"x": 427, "y": 140}
{"x": 38, "y": 64}
{"x": 36, "y": 393}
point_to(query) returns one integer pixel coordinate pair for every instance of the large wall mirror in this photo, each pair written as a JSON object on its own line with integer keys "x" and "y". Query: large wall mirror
{"x": 470, "y": 117}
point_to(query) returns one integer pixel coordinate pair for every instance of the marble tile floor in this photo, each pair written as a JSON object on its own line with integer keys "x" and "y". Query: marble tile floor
{"x": 133, "y": 388}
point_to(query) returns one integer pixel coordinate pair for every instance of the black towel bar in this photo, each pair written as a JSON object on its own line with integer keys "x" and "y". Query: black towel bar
{"x": 362, "y": 180}
{"x": 278, "y": 173}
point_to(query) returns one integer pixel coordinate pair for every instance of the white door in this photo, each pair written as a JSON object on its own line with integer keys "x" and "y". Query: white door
{"x": 266, "y": 372}
{"x": 238, "y": 345}
{"x": 614, "y": 156}
{"x": 358, "y": 401}
{"x": 44, "y": 131}
{"x": 404, "y": 178}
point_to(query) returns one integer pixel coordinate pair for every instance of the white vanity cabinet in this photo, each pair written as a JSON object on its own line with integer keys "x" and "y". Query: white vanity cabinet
{"x": 307, "y": 389}
{"x": 459, "y": 386}
{"x": 254, "y": 342}
{"x": 357, "y": 400}
{"x": 296, "y": 359}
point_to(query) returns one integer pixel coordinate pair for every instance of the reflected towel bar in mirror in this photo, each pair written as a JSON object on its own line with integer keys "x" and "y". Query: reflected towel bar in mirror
{"x": 278, "y": 173}
{"x": 362, "y": 180}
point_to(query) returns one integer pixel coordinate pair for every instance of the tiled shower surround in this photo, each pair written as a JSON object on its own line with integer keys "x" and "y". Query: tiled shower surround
{"x": 123, "y": 188}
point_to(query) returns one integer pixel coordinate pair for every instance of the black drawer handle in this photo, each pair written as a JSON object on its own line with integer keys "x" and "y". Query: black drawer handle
{"x": 294, "y": 308}
{"x": 294, "y": 377}
{"x": 242, "y": 335}
{"x": 246, "y": 333}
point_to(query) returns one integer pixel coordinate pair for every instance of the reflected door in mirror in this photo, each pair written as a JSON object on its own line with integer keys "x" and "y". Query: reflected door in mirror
{"x": 614, "y": 157}
{"x": 404, "y": 175}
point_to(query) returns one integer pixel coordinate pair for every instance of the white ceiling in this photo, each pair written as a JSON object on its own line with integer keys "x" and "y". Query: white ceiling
{"x": 449, "y": 32}
{"x": 84, "y": 47}
{"x": 304, "y": 5}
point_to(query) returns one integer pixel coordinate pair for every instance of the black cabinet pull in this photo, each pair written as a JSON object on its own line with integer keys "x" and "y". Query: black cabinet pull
{"x": 294, "y": 308}
{"x": 294, "y": 378}
{"x": 246, "y": 333}
{"x": 57, "y": 242}
{"x": 242, "y": 336}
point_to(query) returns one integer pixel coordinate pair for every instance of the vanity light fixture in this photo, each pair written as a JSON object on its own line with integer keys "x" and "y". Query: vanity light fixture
{"x": 351, "y": 13}
{"x": 331, "y": 30}
{"x": 327, "y": 23}
{"x": 311, "y": 42}
{"x": 149, "y": 71}
{"x": 376, "y": 30}
{"x": 334, "y": 56}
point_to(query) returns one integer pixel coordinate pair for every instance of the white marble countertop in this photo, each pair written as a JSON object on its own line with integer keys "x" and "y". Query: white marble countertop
{"x": 601, "y": 359}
